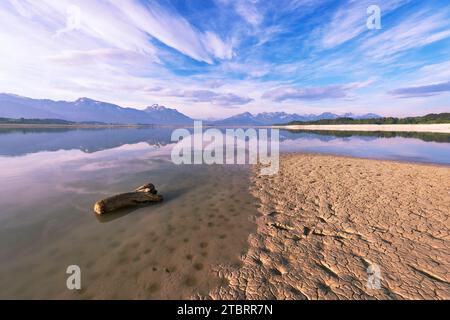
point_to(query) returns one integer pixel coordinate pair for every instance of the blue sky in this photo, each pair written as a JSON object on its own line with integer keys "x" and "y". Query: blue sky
{"x": 214, "y": 58}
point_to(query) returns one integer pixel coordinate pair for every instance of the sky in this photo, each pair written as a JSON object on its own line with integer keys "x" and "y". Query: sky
{"x": 216, "y": 58}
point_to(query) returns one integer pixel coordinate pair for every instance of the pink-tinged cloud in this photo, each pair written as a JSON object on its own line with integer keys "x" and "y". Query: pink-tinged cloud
{"x": 422, "y": 91}
{"x": 212, "y": 97}
{"x": 313, "y": 93}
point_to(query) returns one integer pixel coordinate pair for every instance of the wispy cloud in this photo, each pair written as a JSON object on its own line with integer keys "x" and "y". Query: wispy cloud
{"x": 349, "y": 21}
{"x": 248, "y": 10}
{"x": 215, "y": 98}
{"x": 435, "y": 72}
{"x": 175, "y": 31}
{"x": 221, "y": 99}
{"x": 208, "y": 57}
{"x": 129, "y": 25}
{"x": 416, "y": 31}
{"x": 317, "y": 93}
{"x": 422, "y": 91}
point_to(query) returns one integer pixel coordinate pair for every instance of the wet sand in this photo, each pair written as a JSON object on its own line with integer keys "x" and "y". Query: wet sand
{"x": 435, "y": 128}
{"x": 327, "y": 221}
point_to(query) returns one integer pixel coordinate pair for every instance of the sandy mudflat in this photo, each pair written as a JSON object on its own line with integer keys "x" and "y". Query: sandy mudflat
{"x": 163, "y": 251}
{"x": 436, "y": 128}
{"x": 325, "y": 220}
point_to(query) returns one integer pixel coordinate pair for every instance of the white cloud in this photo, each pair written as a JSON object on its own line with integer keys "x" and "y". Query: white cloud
{"x": 434, "y": 72}
{"x": 86, "y": 57}
{"x": 349, "y": 21}
{"x": 222, "y": 99}
{"x": 127, "y": 25}
{"x": 313, "y": 93}
{"x": 119, "y": 53}
{"x": 169, "y": 28}
{"x": 415, "y": 31}
{"x": 217, "y": 47}
{"x": 248, "y": 10}
{"x": 110, "y": 57}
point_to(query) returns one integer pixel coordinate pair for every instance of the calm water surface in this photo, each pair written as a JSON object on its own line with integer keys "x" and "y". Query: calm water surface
{"x": 49, "y": 180}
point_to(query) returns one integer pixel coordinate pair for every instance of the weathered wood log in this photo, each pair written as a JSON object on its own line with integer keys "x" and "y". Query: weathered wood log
{"x": 141, "y": 196}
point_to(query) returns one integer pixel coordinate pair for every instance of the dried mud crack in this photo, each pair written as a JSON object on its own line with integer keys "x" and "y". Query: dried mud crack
{"x": 326, "y": 221}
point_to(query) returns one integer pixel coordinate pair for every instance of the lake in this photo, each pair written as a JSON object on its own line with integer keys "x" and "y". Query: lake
{"x": 50, "y": 179}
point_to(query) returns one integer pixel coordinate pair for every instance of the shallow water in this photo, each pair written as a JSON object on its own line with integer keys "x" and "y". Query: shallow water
{"x": 49, "y": 180}
{"x": 402, "y": 146}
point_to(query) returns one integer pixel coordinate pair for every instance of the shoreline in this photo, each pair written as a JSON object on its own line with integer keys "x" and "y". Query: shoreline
{"x": 84, "y": 126}
{"x": 432, "y": 128}
{"x": 344, "y": 156}
{"x": 419, "y": 128}
{"x": 69, "y": 126}
{"x": 326, "y": 220}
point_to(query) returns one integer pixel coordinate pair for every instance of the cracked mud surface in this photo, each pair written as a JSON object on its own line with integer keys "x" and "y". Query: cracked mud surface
{"x": 326, "y": 220}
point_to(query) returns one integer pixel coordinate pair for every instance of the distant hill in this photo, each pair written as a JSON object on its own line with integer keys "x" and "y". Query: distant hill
{"x": 282, "y": 117}
{"x": 49, "y": 122}
{"x": 36, "y": 121}
{"x": 86, "y": 110}
{"x": 432, "y": 118}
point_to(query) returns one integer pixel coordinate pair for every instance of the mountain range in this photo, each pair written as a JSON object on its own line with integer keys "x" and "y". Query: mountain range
{"x": 282, "y": 117}
{"x": 88, "y": 110}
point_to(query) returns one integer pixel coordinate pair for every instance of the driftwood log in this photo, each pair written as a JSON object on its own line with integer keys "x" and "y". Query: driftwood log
{"x": 141, "y": 196}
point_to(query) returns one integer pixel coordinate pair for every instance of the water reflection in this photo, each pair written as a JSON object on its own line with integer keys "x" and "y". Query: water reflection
{"x": 162, "y": 251}
{"x": 330, "y": 135}
{"x": 422, "y": 147}
{"x": 403, "y": 146}
{"x": 50, "y": 180}
{"x": 16, "y": 142}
